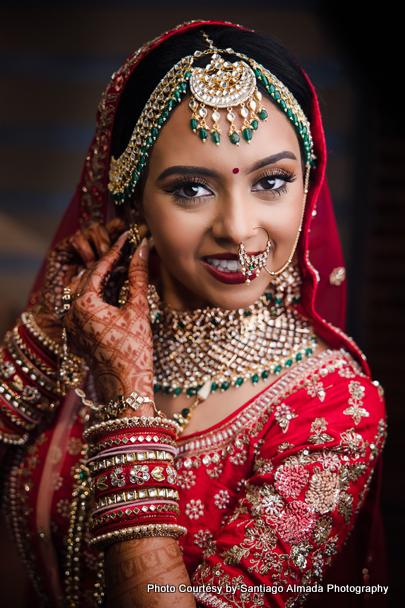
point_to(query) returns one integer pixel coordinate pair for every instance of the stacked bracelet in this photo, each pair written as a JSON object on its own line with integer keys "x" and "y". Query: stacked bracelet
{"x": 133, "y": 478}
{"x": 28, "y": 387}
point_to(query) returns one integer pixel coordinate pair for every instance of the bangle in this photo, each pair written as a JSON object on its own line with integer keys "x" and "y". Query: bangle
{"x": 11, "y": 438}
{"x": 130, "y": 458}
{"x": 131, "y": 495}
{"x": 28, "y": 320}
{"x": 30, "y": 354}
{"x": 30, "y": 371}
{"x": 16, "y": 419}
{"x": 150, "y": 530}
{"x": 157, "y": 424}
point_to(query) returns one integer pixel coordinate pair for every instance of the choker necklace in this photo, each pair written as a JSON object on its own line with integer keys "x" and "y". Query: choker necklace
{"x": 213, "y": 349}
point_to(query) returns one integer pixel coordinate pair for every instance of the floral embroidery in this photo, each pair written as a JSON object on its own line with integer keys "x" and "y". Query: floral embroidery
{"x": 318, "y": 428}
{"x": 323, "y": 491}
{"x": 356, "y": 411}
{"x": 316, "y": 389}
{"x": 63, "y": 507}
{"x": 74, "y": 446}
{"x": 221, "y": 499}
{"x": 290, "y": 480}
{"x": 296, "y": 523}
{"x": 194, "y": 509}
{"x": 322, "y": 529}
{"x": 284, "y": 414}
{"x": 266, "y": 502}
{"x": 204, "y": 540}
{"x": 284, "y": 446}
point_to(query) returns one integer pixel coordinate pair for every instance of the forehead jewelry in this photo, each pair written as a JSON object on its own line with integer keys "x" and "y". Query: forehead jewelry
{"x": 252, "y": 264}
{"x": 231, "y": 85}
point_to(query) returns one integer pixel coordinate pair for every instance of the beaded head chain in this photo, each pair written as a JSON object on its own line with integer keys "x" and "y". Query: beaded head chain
{"x": 220, "y": 84}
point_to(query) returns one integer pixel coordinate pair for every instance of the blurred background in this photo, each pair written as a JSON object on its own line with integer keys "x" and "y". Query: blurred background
{"x": 56, "y": 59}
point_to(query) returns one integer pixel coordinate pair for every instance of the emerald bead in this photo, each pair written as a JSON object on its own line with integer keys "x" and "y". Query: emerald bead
{"x": 165, "y": 112}
{"x": 144, "y": 149}
{"x": 215, "y": 137}
{"x": 157, "y": 316}
{"x": 182, "y": 87}
{"x": 203, "y": 134}
{"x": 238, "y": 381}
{"x": 224, "y": 386}
{"x": 156, "y": 388}
{"x": 262, "y": 114}
{"x": 277, "y": 369}
{"x": 295, "y": 300}
{"x": 149, "y": 141}
{"x": 257, "y": 73}
{"x": 193, "y": 124}
{"x": 247, "y": 134}
{"x": 247, "y": 313}
{"x": 191, "y": 392}
{"x": 298, "y": 357}
{"x": 265, "y": 374}
{"x": 181, "y": 325}
{"x": 185, "y": 412}
{"x": 215, "y": 322}
{"x": 278, "y": 301}
{"x": 169, "y": 106}
{"x": 214, "y": 387}
{"x": 272, "y": 89}
{"x": 282, "y": 104}
{"x": 308, "y": 352}
{"x": 177, "y": 94}
{"x": 254, "y": 124}
{"x": 268, "y": 296}
{"x": 154, "y": 132}
{"x": 166, "y": 390}
{"x": 177, "y": 391}
{"x": 255, "y": 379}
{"x": 234, "y": 137}
{"x": 276, "y": 95}
{"x": 264, "y": 80}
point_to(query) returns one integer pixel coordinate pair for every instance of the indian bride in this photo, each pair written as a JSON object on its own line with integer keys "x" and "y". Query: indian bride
{"x": 186, "y": 422}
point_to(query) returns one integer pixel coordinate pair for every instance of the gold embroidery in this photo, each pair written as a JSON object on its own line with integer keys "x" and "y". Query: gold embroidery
{"x": 356, "y": 401}
{"x": 318, "y": 428}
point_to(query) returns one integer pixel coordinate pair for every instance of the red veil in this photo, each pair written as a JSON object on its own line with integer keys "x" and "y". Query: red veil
{"x": 319, "y": 253}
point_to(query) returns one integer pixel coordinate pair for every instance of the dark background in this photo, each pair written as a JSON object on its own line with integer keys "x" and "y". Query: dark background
{"x": 56, "y": 59}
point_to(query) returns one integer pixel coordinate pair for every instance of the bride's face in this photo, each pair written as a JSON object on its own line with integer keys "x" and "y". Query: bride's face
{"x": 201, "y": 200}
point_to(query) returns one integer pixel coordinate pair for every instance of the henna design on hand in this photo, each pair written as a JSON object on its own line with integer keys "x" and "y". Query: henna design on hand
{"x": 115, "y": 342}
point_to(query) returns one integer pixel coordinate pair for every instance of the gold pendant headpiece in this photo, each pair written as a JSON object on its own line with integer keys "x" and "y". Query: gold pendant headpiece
{"x": 221, "y": 84}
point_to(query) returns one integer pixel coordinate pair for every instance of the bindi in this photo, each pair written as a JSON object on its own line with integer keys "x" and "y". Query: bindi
{"x": 236, "y": 170}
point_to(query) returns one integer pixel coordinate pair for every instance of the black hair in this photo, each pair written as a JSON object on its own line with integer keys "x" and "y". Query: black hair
{"x": 154, "y": 66}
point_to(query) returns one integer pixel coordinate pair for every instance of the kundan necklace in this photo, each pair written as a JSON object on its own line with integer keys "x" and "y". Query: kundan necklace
{"x": 211, "y": 349}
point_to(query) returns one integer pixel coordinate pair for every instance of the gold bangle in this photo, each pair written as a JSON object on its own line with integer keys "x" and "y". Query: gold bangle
{"x": 131, "y": 495}
{"x": 120, "y": 459}
{"x": 13, "y": 438}
{"x": 149, "y": 530}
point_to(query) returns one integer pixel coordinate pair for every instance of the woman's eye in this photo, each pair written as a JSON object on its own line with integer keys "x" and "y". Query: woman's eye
{"x": 270, "y": 183}
{"x": 191, "y": 191}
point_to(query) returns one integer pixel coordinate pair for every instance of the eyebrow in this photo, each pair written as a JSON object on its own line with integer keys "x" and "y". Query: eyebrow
{"x": 270, "y": 160}
{"x": 189, "y": 170}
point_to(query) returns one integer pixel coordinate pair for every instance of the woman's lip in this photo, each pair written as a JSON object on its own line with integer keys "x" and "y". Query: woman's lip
{"x": 228, "y": 256}
{"x": 231, "y": 278}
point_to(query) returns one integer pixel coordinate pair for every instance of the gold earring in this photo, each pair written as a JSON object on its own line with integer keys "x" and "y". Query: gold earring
{"x": 253, "y": 263}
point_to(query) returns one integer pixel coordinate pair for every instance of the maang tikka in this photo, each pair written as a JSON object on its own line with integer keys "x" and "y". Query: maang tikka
{"x": 225, "y": 84}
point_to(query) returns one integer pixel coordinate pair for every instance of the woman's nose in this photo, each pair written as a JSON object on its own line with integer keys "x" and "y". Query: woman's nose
{"x": 234, "y": 222}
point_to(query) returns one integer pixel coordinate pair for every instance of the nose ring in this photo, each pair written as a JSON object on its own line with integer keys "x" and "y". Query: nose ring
{"x": 253, "y": 263}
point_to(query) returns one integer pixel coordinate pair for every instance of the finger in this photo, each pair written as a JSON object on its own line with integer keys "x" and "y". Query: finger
{"x": 138, "y": 274}
{"x": 99, "y": 239}
{"x": 83, "y": 248}
{"x": 115, "y": 228}
{"x": 101, "y": 271}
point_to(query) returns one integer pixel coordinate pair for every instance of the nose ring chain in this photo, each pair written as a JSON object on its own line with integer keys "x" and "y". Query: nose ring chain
{"x": 253, "y": 263}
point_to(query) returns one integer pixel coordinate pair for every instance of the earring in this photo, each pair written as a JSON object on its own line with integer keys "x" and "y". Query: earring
{"x": 253, "y": 263}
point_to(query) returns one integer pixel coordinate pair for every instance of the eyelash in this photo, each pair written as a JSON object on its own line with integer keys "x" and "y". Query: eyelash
{"x": 287, "y": 176}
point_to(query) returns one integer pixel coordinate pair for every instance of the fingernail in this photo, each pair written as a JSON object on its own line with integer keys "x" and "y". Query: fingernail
{"x": 144, "y": 249}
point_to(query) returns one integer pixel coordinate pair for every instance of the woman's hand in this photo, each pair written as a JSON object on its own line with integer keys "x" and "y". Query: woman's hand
{"x": 116, "y": 343}
{"x": 66, "y": 262}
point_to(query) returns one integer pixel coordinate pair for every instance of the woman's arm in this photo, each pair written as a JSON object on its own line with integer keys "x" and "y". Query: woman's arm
{"x": 117, "y": 345}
